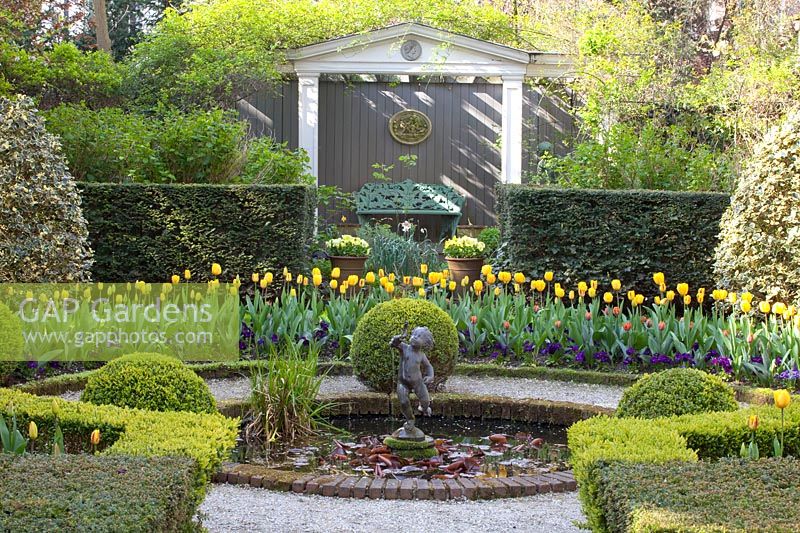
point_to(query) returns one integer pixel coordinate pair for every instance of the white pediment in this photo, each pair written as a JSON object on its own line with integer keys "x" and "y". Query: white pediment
{"x": 438, "y": 51}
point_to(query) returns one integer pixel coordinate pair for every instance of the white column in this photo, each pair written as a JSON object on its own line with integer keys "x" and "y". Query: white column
{"x": 511, "y": 156}
{"x": 308, "y": 115}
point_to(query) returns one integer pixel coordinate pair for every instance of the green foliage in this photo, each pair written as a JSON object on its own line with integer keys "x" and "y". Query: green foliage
{"x": 43, "y": 236}
{"x": 206, "y": 438}
{"x": 150, "y": 232}
{"x": 490, "y": 237}
{"x": 600, "y": 441}
{"x": 649, "y": 156}
{"x": 677, "y": 391}
{"x": 401, "y": 254}
{"x": 149, "y": 381}
{"x": 759, "y": 247}
{"x": 102, "y": 494}
{"x": 11, "y": 440}
{"x": 611, "y": 234}
{"x": 112, "y": 145}
{"x": 61, "y": 75}
{"x": 375, "y": 363}
{"x": 273, "y": 163}
{"x": 11, "y": 342}
{"x": 700, "y": 497}
{"x": 221, "y": 51}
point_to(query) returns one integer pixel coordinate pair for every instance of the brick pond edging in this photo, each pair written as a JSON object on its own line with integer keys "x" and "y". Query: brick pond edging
{"x": 360, "y": 487}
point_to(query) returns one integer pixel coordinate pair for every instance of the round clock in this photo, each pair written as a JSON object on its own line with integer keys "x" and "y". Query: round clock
{"x": 411, "y": 50}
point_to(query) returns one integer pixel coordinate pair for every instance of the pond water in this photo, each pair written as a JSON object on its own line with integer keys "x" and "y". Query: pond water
{"x": 466, "y": 447}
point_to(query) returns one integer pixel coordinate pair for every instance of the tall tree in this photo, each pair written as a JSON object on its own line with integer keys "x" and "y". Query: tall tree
{"x": 101, "y": 25}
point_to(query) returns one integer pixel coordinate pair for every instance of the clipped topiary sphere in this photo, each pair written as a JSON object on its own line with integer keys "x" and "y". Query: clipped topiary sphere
{"x": 679, "y": 391}
{"x": 149, "y": 381}
{"x": 375, "y": 363}
{"x": 11, "y": 342}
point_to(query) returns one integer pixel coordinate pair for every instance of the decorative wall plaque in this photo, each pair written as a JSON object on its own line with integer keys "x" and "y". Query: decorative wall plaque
{"x": 411, "y": 50}
{"x": 410, "y": 126}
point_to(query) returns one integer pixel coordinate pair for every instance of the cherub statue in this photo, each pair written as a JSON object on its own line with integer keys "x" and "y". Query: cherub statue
{"x": 415, "y": 372}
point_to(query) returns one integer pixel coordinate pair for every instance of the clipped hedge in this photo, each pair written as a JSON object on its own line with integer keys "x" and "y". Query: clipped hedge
{"x": 150, "y": 232}
{"x": 725, "y": 495}
{"x": 96, "y": 493}
{"x": 600, "y": 441}
{"x": 599, "y": 234}
{"x": 206, "y": 438}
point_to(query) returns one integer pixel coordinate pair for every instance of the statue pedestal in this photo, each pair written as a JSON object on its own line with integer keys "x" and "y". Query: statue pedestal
{"x": 411, "y": 444}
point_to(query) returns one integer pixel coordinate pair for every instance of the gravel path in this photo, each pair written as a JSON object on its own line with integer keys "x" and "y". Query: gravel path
{"x": 602, "y": 395}
{"x": 232, "y": 508}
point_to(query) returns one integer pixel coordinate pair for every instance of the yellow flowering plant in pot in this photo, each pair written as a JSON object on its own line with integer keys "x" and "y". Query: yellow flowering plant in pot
{"x": 348, "y": 253}
{"x": 464, "y": 257}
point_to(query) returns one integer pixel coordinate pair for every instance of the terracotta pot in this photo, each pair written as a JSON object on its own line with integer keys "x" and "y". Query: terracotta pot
{"x": 464, "y": 267}
{"x": 348, "y": 265}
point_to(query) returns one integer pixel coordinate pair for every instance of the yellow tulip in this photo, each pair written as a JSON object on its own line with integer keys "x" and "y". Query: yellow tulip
{"x": 559, "y": 292}
{"x": 421, "y": 292}
{"x": 658, "y": 278}
{"x": 263, "y": 283}
{"x": 616, "y": 284}
{"x": 745, "y": 305}
{"x": 417, "y": 281}
{"x": 631, "y": 295}
{"x": 288, "y": 277}
{"x": 175, "y": 279}
{"x": 592, "y": 292}
{"x": 392, "y": 277}
{"x": 486, "y": 270}
{"x": 752, "y": 422}
{"x": 254, "y": 277}
{"x": 443, "y": 282}
{"x": 477, "y": 286}
{"x": 384, "y": 280}
{"x": 406, "y": 280}
{"x": 539, "y": 285}
{"x": 342, "y": 288}
{"x": 700, "y": 297}
{"x": 389, "y": 287}
{"x": 548, "y": 276}
{"x": 764, "y": 307}
{"x": 434, "y": 277}
{"x": 732, "y": 297}
{"x": 582, "y": 287}
{"x": 779, "y": 308}
{"x": 782, "y": 398}
{"x": 33, "y": 431}
{"x": 370, "y": 277}
{"x": 95, "y": 437}
{"x": 381, "y": 273}
{"x": 491, "y": 279}
{"x": 498, "y": 291}
{"x": 336, "y": 272}
{"x": 317, "y": 279}
{"x": 593, "y": 284}
{"x": 352, "y": 280}
{"x": 316, "y": 271}
{"x": 269, "y": 277}
{"x": 504, "y": 277}
{"x": 683, "y": 289}
{"x": 334, "y": 284}
{"x": 657, "y": 300}
{"x": 719, "y": 294}
{"x": 571, "y": 295}
{"x": 608, "y": 297}
{"x": 452, "y": 285}
{"x": 519, "y": 277}
{"x": 687, "y": 299}
{"x": 670, "y": 295}
{"x": 747, "y": 297}
{"x": 465, "y": 281}
{"x": 216, "y": 269}
{"x": 423, "y": 268}
{"x": 187, "y": 274}
{"x": 639, "y": 299}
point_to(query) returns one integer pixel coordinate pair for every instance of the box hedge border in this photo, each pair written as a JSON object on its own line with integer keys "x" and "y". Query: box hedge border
{"x": 206, "y": 438}
{"x": 599, "y": 441}
{"x": 599, "y": 234}
{"x": 151, "y": 231}
{"x": 96, "y": 493}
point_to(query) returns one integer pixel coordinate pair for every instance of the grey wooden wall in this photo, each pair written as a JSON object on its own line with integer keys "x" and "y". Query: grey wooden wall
{"x": 462, "y": 150}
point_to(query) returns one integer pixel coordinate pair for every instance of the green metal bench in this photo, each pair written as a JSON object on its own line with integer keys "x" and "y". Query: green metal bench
{"x": 410, "y": 198}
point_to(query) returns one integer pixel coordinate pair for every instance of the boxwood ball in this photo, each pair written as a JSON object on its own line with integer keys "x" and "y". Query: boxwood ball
{"x": 375, "y": 363}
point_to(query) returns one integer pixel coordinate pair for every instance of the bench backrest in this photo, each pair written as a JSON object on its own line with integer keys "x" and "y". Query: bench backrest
{"x": 409, "y": 196}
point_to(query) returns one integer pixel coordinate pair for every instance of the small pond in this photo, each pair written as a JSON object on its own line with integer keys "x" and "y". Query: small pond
{"x": 466, "y": 447}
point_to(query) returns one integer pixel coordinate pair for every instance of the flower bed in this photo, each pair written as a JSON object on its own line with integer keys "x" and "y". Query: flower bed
{"x": 727, "y": 495}
{"x": 96, "y": 493}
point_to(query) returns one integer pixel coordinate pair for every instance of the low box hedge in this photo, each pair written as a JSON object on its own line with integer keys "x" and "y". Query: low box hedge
{"x": 149, "y": 232}
{"x": 206, "y": 438}
{"x": 601, "y": 234}
{"x": 96, "y": 493}
{"x": 726, "y": 495}
{"x": 600, "y": 441}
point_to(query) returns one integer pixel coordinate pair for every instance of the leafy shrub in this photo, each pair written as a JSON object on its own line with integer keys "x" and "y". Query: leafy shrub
{"x": 11, "y": 342}
{"x": 63, "y": 74}
{"x": 102, "y": 493}
{"x": 677, "y": 391}
{"x": 149, "y": 381}
{"x": 725, "y": 495}
{"x": 401, "y": 254}
{"x": 490, "y": 237}
{"x": 582, "y": 234}
{"x": 150, "y": 232}
{"x": 270, "y": 162}
{"x": 652, "y": 156}
{"x": 759, "y": 247}
{"x": 43, "y": 235}
{"x": 375, "y": 363}
{"x": 599, "y": 441}
{"x": 206, "y": 438}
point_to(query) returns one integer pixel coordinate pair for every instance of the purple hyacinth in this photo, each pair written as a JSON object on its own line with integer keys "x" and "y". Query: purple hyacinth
{"x": 602, "y": 357}
{"x": 580, "y": 357}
